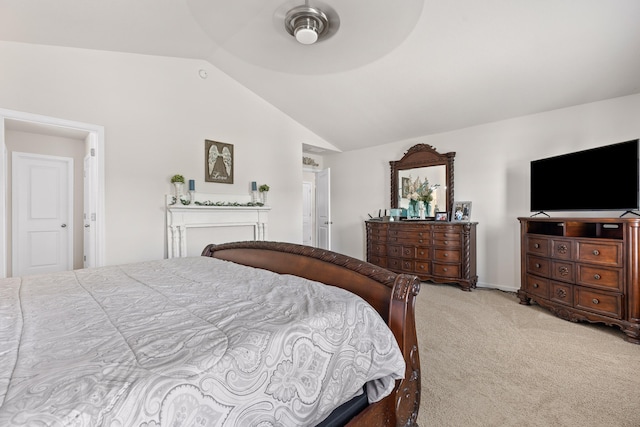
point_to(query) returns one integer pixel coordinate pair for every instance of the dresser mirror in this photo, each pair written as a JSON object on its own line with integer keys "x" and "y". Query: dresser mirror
{"x": 424, "y": 175}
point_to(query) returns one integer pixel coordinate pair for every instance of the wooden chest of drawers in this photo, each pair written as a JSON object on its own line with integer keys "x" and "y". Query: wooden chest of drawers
{"x": 442, "y": 252}
{"x": 583, "y": 269}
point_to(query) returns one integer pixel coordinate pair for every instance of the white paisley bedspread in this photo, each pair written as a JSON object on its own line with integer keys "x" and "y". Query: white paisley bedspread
{"x": 185, "y": 342}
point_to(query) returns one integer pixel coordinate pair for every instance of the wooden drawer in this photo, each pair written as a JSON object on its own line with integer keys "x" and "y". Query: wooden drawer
{"x": 538, "y": 265}
{"x": 600, "y": 277}
{"x": 410, "y": 233}
{"x": 443, "y": 228}
{"x": 422, "y": 267}
{"x": 609, "y": 253}
{"x": 446, "y": 270}
{"x": 537, "y": 286}
{"x": 377, "y": 249}
{"x": 394, "y": 264}
{"x": 378, "y": 231}
{"x": 406, "y": 239}
{"x": 447, "y": 255}
{"x": 561, "y": 292}
{"x": 423, "y": 253}
{"x": 538, "y": 245}
{"x": 398, "y": 251}
{"x": 605, "y": 303}
{"x": 446, "y": 237}
{"x": 562, "y": 249}
{"x": 563, "y": 271}
{"x": 450, "y": 243}
{"x": 394, "y": 251}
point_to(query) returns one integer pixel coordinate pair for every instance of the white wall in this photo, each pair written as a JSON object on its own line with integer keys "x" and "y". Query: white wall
{"x": 491, "y": 169}
{"x": 157, "y": 112}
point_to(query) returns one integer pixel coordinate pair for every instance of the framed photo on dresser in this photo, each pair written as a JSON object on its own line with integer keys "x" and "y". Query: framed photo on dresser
{"x": 442, "y": 216}
{"x": 461, "y": 211}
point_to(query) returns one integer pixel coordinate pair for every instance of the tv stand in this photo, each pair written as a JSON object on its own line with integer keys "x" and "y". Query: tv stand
{"x": 629, "y": 212}
{"x": 583, "y": 269}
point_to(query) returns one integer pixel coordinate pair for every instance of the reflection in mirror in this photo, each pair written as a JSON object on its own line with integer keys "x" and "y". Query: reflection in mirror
{"x": 423, "y": 189}
{"x": 422, "y": 182}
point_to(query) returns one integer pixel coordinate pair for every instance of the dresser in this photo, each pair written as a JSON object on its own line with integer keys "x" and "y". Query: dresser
{"x": 441, "y": 252}
{"x": 583, "y": 269}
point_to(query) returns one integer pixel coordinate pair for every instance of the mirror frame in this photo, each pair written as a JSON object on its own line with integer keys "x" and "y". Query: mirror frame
{"x": 419, "y": 156}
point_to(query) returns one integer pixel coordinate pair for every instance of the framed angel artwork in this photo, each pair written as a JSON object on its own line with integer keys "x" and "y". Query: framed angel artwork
{"x": 218, "y": 162}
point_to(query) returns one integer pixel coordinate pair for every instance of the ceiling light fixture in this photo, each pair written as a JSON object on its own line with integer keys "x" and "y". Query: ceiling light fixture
{"x": 306, "y": 24}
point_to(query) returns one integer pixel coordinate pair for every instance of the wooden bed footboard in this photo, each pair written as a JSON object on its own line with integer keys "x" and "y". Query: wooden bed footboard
{"x": 392, "y": 295}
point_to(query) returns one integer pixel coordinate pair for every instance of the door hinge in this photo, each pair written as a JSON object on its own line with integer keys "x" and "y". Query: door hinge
{"x": 93, "y": 152}
{"x": 93, "y": 216}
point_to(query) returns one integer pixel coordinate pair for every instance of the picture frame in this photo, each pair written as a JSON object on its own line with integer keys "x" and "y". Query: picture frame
{"x": 461, "y": 211}
{"x": 406, "y": 182}
{"x": 218, "y": 162}
{"x": 442, "y": 216}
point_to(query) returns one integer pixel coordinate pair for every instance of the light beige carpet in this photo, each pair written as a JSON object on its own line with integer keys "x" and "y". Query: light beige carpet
{"x": 488, "y": 361}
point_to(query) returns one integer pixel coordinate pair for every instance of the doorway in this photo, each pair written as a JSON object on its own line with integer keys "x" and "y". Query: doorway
{"x": 316, "y": 212}
{"x": 92, "y": 137}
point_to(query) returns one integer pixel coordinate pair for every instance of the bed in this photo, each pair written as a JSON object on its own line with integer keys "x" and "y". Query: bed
{"x": 248, "y": 334}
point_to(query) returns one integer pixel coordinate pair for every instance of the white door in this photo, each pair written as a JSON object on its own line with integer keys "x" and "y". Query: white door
{"x": 323, "y": 208}
{"x": 307, "y": 213}
{"x": 42, "y": 198}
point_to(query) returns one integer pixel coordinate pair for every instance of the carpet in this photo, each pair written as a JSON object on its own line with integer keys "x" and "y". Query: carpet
{"x": 489, "y": 361}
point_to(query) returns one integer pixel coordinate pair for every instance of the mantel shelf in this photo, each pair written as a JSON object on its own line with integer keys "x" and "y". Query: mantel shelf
{"x": 209, "y": 207}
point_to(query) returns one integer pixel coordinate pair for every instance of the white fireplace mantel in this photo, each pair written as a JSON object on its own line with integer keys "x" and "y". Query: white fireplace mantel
{"x": 182, "y": 217}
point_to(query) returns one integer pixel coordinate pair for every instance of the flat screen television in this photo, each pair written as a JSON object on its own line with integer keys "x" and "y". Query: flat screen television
{"x": 603, "y": 178}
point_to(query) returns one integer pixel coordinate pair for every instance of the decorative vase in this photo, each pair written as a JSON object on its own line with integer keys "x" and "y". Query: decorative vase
{"x": 264, "y": 197}
{"x": 178, "y": 188}
{"x": 413, "y": 209}
{"x": 427, "y": 208}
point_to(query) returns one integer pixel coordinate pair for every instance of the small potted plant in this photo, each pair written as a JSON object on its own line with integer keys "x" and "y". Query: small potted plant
{"x": 178, "y": 184}
{"x": 264, "y": 189}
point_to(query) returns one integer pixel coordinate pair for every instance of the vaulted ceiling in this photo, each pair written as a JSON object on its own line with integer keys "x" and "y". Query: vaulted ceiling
{"x": 392, "y": 70}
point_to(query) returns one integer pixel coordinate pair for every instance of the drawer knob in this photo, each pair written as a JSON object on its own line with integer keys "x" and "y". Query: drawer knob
{"x": 422, "y": 267}
{"x": 597, "y": 276}
{"x": 446, "y": 242}
{"x": 444, "y": 269}
{"x": 537, "y": 245}
{"x": 562, "y": 249}
{"x": 446, "y": 255}
{"x": 561, "y": 293}
{"x": 537, "y": 265}
{"x": 595, "y": 301}
{"x": 535, "y": 285}
{"x": 596, "y": 252}
{"x": 563, "y": 271}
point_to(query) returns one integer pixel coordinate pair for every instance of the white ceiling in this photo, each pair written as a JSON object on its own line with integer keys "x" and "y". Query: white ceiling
{"x": 392, "y": 71}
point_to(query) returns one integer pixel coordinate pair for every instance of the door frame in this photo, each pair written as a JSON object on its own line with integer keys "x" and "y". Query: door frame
{"x": 94, "y": 144}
